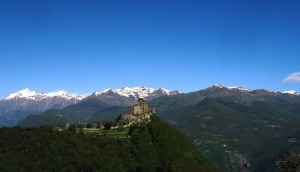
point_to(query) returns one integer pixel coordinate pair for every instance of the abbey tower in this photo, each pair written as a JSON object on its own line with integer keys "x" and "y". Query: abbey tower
{"x": 140, "y": 113}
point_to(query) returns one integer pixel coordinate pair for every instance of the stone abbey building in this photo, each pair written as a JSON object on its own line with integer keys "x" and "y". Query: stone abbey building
{"x": 140, "y": 112}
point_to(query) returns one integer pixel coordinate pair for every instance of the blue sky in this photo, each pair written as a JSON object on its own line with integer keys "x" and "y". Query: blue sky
{"x": 89, "y": 45}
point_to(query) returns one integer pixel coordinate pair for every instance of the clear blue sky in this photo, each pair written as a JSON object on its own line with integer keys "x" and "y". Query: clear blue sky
{"x": 89, "y": 45}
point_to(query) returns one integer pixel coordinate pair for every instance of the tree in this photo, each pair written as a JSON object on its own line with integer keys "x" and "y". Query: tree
{"x": 107, "y": 125}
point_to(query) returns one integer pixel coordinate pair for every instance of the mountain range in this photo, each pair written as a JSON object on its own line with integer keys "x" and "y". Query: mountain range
{"x": 17, "y": 106}
{"x": 237, "y": 128}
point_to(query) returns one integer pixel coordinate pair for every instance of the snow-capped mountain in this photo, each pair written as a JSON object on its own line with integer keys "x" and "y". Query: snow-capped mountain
{"x": 18, "y": 105}
{"x": 244, "y": 95}
{"x": 138, "y": 92}
{"x": 293, "y": 92}
{"x": 33, "y": 95}
{"x": 110, "y": 103}
{"x": 230, "y": 87}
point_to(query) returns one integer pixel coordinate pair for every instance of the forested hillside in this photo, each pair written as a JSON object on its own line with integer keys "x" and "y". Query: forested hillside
{"x": 151, "y": 147}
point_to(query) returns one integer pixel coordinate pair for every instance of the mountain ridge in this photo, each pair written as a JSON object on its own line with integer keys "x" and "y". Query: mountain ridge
{"x": 136, "y": 92}
{"x": 34, "y": 95}
{"x": 16, "y": 106}
{"x": 19, "y": 105}
{"x": 87, "y": 108}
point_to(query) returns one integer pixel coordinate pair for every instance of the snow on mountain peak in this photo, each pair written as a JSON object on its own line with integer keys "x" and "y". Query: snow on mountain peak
{"x": 169, "y": 92}
{"x": 238, "y": 88}
{"x": 66, "y": 95}
{"x": 136, "y": 92}
{"x": 230, "y": 87}
{"x": 33, "y": 95}
{"x": 293, "y": 92}
{"x": 57, "y": 93}
{"x": 217, "y": 85}
{"x": 25, "y": 93}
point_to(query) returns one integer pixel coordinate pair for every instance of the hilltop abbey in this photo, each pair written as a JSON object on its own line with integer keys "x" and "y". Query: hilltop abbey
{"x": 139, "y": 113}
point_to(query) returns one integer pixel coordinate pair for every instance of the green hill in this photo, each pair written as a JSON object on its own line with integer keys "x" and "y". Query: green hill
{"x": 109, "y": 113}
{"x": 155, "y": 146}
{"x": 235, "y": 136}
{"x": 78, "y": 113}
{"x": 49, "y": 118}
